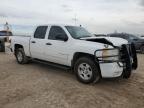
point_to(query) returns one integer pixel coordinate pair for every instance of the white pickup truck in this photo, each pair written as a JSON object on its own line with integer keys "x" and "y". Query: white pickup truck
{"x": 91, "y": 58}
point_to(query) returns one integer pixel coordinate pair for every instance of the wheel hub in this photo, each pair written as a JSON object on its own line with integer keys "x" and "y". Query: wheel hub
{"x": 85, "y": 71}
{"x": 19, "y": 56}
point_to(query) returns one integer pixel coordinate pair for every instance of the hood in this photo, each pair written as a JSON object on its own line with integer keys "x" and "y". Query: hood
{"x": 114, "y": 41}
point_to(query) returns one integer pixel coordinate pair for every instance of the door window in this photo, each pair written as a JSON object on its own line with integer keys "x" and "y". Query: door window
{"x": 55, "y": 31}
{"x": 40, "y": 32}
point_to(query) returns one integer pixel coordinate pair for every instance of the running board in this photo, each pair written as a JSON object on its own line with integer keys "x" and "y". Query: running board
{"x": 53, "y": 64}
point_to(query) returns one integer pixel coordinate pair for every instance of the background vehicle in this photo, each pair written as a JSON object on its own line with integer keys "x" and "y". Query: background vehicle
{"x": 138, "y": 42}
{"x": 142, "y": 36}
{"x": 73, "y": 47}
{"x": 4, "y": 36}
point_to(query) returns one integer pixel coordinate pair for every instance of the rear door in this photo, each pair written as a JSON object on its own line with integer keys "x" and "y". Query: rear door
{"x": 37, "y": 42}
{"x": 56, "y": 50}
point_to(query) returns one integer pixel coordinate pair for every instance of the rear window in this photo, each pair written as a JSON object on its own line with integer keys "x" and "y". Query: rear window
{"x": 40, "y": 32}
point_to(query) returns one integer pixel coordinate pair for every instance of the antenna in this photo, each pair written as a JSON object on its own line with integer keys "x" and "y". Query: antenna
{"x": 75, "y": 19}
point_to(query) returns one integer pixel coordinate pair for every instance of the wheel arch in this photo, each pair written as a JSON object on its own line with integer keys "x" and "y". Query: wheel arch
{"x": 16, "y": 46}
{"x": 78, "y": 55}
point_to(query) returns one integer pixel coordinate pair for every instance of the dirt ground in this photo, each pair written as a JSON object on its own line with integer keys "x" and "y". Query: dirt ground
{"x": 37, "y": 85}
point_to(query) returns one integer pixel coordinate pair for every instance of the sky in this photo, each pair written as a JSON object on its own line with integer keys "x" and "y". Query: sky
{"x": 98, "y": 16}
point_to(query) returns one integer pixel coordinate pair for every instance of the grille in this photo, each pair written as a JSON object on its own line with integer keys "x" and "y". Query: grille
{"x": 125, "y": 51}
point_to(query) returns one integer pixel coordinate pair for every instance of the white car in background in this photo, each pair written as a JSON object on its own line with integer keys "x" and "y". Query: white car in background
{"x": 4, "y": 37}
{"x": 142, "y": 37}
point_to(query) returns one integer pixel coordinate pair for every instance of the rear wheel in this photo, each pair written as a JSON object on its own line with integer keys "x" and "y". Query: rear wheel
{"x": 21, "y": 57}
{"x": 86, "y": 70}
{"x": 142, "y": 49}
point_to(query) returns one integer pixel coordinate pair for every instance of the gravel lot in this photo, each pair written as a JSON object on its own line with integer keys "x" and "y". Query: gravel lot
{"x": 37, "y": 85}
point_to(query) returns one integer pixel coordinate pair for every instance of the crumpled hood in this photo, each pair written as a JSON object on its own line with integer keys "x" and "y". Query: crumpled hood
{"x": 114, "y": 40}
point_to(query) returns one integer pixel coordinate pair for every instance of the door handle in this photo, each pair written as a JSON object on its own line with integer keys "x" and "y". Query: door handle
{"x": 48, "y": 44}
{"x": 33, "y": 42}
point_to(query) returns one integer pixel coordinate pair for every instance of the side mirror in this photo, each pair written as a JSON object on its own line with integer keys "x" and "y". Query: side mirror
{"x": 62, "y": 37}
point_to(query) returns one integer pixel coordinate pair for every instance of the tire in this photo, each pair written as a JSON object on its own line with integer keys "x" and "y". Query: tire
{"x": 126, "y": 74}
{"x": 86, "y": 70}
{"x": 21, "y": 57}
{"x": 142, "y": 49}
{"x": 2, "y": 46}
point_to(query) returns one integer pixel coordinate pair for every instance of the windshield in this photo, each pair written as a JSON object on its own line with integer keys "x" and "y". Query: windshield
{"x": 78, "y": 32}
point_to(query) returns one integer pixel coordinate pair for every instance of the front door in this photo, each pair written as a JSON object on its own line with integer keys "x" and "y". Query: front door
{"x": 56, "y": 49}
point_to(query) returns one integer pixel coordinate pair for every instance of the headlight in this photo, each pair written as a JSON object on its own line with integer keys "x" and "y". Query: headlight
{"x": 108, "y": 54}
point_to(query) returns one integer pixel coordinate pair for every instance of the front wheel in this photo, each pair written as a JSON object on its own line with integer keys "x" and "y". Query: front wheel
{"x": 86, "y": 70}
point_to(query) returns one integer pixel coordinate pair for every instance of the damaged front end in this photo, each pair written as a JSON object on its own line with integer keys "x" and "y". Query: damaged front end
{"x": 125, "y": 56}
{"x": 119, "y": 52}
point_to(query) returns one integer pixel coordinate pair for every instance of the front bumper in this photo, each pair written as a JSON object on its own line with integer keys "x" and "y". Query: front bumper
{"x": 125, "y": 64}
{"x": 111, "y": 70}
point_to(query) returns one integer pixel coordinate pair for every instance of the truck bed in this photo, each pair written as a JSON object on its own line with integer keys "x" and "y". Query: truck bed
{"x": 22, "y": 40}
